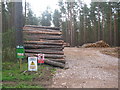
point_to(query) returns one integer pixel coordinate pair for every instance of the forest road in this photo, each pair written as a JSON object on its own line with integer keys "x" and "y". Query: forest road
{"x": 88, "y": 68}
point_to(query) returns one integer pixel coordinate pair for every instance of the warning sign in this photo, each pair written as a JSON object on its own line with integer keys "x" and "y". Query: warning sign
{"x": 32, "y": 63}
{"x": 40, "y": 58}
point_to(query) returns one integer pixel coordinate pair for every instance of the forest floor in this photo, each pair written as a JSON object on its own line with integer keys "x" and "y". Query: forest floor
{"x": 88, "y": 68}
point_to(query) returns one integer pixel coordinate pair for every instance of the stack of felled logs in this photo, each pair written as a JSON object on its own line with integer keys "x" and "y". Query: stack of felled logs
{"x": 44, "y": 40}
{"x": 100, "y": 43}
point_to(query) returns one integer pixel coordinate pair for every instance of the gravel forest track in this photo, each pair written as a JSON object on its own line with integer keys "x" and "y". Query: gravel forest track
{"x": 88, "y": 68}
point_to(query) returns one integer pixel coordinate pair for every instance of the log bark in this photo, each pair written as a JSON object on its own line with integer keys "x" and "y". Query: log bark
{"x": 44, "y": 42}
{"x": 45, "y": 52}
{"x": 55, "y": 49}
{"x": 43, "y": 32}
{"x": 41, "y": 46}
{"x": 45, "y": 27}
{"x": 38, "y": 37}
{"x": 58, "y": 60}
{"x": 39, "y": 29}
{"x": 53, "y": 63}
{"x": 53, "y": 56}
{"x": 46, "y": 49}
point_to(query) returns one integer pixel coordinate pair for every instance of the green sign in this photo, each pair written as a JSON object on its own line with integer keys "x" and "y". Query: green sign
{"x": 20, "y": 51}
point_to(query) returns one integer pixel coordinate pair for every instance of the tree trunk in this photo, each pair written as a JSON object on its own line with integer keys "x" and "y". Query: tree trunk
{"x": 110, "y": 24}
{"x": 103, "y": 25}
{"x": 115, "y": 30}
{"x": 25, "y": 13}
{"x": 84, "y": 29}
{"x": 98, "y": 22}
{"x": 18, "y": 22}
{"x": 1, "y": 28}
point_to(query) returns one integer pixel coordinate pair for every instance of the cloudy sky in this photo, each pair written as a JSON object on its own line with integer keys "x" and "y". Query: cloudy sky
{"x": 38, "y": 6}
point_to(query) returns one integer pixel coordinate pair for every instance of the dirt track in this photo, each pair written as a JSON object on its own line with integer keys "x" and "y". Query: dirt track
{"x": 88, "y": 68}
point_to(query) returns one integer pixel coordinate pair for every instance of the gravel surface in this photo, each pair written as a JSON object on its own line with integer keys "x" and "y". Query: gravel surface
{"x": 88, "y": 68}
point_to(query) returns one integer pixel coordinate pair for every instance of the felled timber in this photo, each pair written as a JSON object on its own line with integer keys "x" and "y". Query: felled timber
{"x": 41, "y": 46}
{"x": 45, "y": 27}
{"x": 43, "y": 32}
{"x": 45, "y": 52}
{"x": 53, "y": 63}
{"x": 45, "y": 40}
{"x": 53, "y": 56}
{"x": 39, "y": 29}
{"x": 45, "y": 37}
{"x": 45, "y": 49}
{"x": 100, "y": 44}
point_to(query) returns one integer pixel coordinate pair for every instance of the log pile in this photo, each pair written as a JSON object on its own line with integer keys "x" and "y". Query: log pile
{"x": 66, "y": 44}
{"x": 44, "y": 40}
{"x": 100, "y": 43}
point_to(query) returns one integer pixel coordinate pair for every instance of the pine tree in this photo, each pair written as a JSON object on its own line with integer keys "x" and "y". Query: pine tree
{"x": 56, "y": 18}
{"x": 46, "y": 18}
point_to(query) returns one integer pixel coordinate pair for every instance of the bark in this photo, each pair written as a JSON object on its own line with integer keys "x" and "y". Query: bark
{"x": 68, "y": 21}
{"x": 38, "y": 37}
{"x": 43, "y": 27}
{"x": 46, "y": 49}
{"x": 42, "y": 32}
{"x": 53, "y": 63}
{"x": 103, "y": 25}
{"x": 84, "y": 30}
{"x": 44, "y": 43}
{"x": 41, "y": 46}
{"x": 45, "y": 52}
{"x": 18, "y": 22}
{"x": 98, "y": 22}
{"x": 52, "y": 56}
{"x": 110, "y": 27}
{"x": 39, "y": 29}
{"x": 71, "y": 33}
{"x": 115, "y": 30}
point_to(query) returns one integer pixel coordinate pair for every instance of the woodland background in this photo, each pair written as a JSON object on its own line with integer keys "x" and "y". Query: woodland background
{"x": 79, "y": 23}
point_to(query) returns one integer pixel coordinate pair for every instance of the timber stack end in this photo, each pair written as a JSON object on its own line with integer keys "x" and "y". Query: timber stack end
{"x": 44, "y": 40}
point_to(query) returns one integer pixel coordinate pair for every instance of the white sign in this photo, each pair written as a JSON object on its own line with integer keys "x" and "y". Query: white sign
{"x": 32, "y": 63}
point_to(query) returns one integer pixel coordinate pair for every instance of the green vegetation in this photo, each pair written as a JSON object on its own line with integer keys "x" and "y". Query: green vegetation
{"x": 12, "y": 77}
{"x": 21, "y": 85}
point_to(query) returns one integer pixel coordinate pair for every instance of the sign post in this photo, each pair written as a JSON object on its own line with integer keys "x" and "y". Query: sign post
{"x": 20, "y": 54}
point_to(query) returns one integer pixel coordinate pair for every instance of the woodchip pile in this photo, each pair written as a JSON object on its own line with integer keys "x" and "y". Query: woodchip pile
{"x": 44, "y": 40}
{"x": 100, "y": 43}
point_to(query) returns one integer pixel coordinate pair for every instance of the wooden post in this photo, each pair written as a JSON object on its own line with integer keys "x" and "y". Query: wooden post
{"x": 20, "y": 64}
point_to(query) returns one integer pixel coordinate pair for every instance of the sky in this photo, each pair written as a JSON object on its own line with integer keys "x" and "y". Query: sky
{"x": 38, "y": 6}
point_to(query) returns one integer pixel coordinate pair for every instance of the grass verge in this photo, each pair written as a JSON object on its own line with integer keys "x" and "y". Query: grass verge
{"x": 12, "y": 77}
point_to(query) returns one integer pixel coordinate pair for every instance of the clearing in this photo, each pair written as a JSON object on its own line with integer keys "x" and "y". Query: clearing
{"x": 88, "y": 68}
